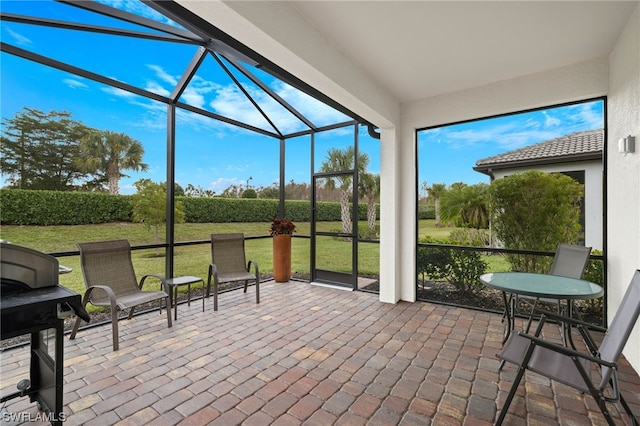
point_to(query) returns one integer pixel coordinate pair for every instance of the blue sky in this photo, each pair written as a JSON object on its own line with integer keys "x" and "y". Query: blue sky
{"x": 447, "y": 154}
{"x": 209, "y": 153}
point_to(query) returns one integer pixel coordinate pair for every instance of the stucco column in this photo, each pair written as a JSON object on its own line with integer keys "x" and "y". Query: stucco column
{"x": 389, "y": 216}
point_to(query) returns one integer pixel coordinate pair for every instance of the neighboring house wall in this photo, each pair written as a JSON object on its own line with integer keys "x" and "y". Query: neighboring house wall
{"x": 593, "y": 196}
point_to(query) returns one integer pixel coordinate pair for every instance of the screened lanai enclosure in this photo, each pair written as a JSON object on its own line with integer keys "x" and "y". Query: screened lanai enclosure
{"x": 216, "y": 119}
{"x": 209, "y": 112}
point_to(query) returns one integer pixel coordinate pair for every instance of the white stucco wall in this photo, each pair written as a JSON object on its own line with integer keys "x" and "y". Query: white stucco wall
{"x": 593, "y": 197}
{"x": 623, "y": 173}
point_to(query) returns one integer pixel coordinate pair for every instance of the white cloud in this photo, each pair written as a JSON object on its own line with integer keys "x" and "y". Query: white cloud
{"x": 586, "y": 115}
{"x": 550, "y": 121}
{"x": 319, "y": 113}
{"x": 163, "y": 75}
{"x": 74, "y": 84}
{"x": 120, "y": 93}
{"x": 220, "y": 184}
{"x": 231, "y": 102}
{"x": 114, "y": 91}
{"x": 156, "y": 88}
{"x": 19, "y": 39}
{"x": 138, "y": 8}
{"x": 508, "y": 136}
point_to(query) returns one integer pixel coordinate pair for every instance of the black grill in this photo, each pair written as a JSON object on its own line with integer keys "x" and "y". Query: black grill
{"x": 36, "y": 308}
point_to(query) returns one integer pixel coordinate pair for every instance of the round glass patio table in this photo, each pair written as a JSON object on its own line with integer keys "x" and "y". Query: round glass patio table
{"x": 540, "y": 286}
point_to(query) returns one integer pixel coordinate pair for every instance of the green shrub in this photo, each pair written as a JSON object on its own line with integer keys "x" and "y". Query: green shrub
{"x": 470, "y": 237}
{"x": 462, "y": 268}
{"x": 594, "y": 272}
{"x": 535, "y": 211}
{"x": 366, "y": 233}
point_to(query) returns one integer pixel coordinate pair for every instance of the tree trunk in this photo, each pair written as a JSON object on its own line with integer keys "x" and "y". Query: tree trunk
{"x": 371, "y": 214}
{"x": 113, "y": 175}
{"x": 344, "y": 212}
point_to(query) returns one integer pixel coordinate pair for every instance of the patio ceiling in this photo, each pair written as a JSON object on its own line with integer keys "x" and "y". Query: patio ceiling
{"x": 414, "y": 50}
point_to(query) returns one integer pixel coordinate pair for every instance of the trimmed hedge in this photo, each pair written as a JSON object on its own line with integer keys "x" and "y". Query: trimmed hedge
{"x": 426, "y": 212}
{"x": 35, "y": 207}
{"x": 31, "y": 207}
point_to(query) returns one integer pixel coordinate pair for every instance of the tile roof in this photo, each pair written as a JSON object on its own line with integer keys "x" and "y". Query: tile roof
{"x": 577, "y": 146}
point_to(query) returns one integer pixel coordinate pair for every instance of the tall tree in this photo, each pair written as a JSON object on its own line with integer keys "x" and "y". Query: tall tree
{"x": 338, "y": 160}
{"x": 149, "y": 206}
{"x": 198, "y": 191}
{"x": 105, "y": 154}
{"x": 435, "y": 192}
{"x": 38, "y": 150}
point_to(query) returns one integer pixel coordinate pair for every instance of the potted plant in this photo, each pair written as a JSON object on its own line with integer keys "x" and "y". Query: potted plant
{"x": 281, "y": 230}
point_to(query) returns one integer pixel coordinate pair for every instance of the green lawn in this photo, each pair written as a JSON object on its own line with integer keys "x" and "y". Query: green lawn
{"x": 189, "y": 260}
{"x": 428, "y": 227}
{"x": 334, "y": 254}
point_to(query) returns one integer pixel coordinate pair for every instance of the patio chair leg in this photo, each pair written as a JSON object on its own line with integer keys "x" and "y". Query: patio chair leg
{"x": 114, "y": 327}
{"x": 76, "y": 326}
{"x": 257, "y": 291}
{"x": 166, "y": 300}
{"x": 215, "y": 295}
{"x": 627, "y": 409}
{"x": 75, "y": 329}
{"x": 512, "y": 393}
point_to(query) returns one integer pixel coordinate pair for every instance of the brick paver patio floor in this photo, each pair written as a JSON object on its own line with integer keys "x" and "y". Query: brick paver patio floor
{"x": 306, "y": 355}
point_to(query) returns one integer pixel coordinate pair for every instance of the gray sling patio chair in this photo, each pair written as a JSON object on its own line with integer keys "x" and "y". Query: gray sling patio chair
{"x": 569, "y": 261}
{"x": 594, "y": 372}
{"x": 110, "y": 281}
{"x": 228, "y": 264}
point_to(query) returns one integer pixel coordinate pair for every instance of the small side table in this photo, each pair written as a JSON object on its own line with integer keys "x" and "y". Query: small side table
{"x": 174, "y": 283}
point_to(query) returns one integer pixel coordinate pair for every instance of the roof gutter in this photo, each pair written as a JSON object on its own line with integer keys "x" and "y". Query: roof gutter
{"x": 575, "y": 158}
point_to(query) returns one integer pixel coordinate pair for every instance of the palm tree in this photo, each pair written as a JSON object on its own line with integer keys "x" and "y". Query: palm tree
{"x": 435, "y": 192}
{"x": 466, "y": 206}
{"x": 476, "y": 209}
{"x": 106, "y": 154}
{"x": 370, "y": 190}
{"x": 341, "y": 160}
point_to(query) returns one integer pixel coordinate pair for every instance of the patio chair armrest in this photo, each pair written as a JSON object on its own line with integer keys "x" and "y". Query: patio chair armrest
{"x": 255, "y": 265}
{"x": 160, "y": 277}
{"x": 568, "y": 320}
{"x": 567, "y": 351}
{"x": 213, "y": 272}
{"x": 112, "y": 296}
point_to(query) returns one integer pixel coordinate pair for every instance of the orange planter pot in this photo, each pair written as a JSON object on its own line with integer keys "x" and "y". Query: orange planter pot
{"x": 282, "y": 257}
